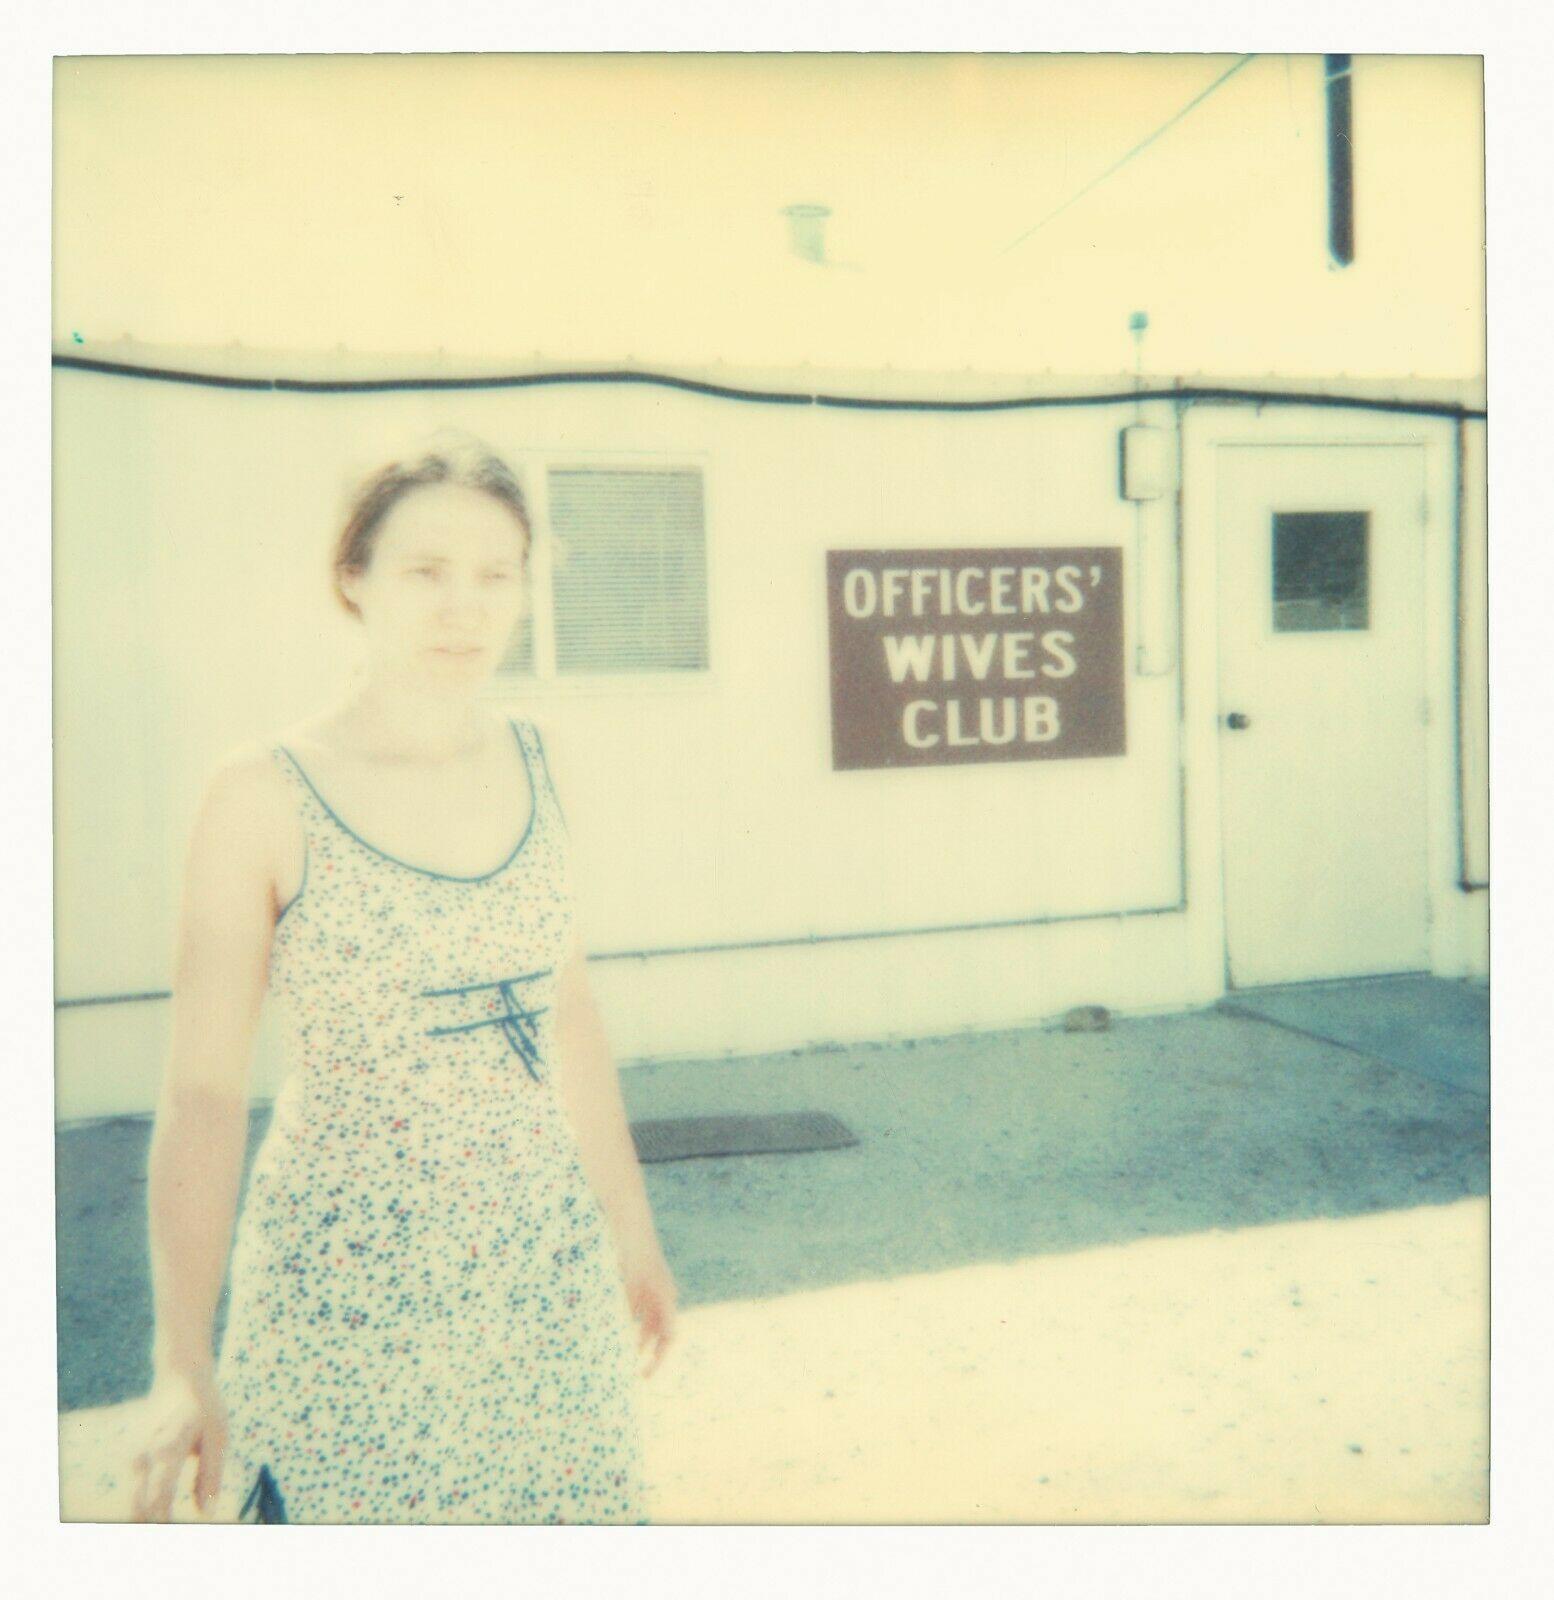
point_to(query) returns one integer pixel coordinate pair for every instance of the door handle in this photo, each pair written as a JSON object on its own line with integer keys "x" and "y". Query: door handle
{"x": 1238, "y": 719}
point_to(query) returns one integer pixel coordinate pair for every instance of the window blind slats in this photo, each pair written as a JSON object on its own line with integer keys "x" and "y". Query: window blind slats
{"x": 629, "y": 572}
{"x": 630, "y": 577}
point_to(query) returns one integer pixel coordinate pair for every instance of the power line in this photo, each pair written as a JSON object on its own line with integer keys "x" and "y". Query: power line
{"x": 1197, "y": 100}
{"x": 784, "y": 397}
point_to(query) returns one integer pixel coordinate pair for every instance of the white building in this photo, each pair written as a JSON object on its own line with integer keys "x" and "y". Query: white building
{"x": 1289, "y": 779}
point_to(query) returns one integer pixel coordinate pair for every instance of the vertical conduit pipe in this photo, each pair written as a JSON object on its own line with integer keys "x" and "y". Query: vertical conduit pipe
{"x": 1340, "y": 159}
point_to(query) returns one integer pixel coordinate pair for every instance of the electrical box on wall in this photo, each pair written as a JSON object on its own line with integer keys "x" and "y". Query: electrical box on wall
{"x": 1146, "y": 459}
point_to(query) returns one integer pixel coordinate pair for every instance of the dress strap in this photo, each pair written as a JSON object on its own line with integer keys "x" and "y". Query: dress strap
{"x": 312, "y": 803}
{"x": 537, "y": 745}
{"x": 309, "y": 816}
{"x": 324, "y": 828}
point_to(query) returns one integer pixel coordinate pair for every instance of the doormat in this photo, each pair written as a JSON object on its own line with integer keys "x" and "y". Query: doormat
{"x": 778, "y": 1133}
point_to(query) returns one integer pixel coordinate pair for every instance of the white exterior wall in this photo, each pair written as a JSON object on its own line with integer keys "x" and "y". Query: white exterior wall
{"x": 192, "y": 529}
{"x": 1454, "y": 564}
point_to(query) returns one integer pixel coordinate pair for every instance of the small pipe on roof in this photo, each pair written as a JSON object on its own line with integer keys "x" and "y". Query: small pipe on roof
{"x": 806, "y": 235}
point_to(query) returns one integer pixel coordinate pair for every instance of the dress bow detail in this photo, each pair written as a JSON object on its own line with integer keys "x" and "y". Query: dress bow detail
{"x": 505, "y": 1010}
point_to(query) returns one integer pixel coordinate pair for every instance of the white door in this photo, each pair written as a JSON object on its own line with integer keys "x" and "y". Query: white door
{"x": 1322, "y": 710}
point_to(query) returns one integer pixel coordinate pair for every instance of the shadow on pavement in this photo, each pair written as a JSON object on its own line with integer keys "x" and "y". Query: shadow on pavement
{"x": 985, "y": 1147}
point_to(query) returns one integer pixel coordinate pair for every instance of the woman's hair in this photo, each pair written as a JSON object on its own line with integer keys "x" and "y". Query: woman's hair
{"x": 448, "y": 458}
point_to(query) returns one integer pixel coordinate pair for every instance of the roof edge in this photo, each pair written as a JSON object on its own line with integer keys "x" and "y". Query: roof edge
{"x": 238, "y": 366}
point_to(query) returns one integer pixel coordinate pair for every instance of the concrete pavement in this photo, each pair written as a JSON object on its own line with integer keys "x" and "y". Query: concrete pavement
{"x": 1197, "y": 1267}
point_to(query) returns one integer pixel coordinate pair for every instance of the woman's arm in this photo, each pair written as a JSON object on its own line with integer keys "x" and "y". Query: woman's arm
{"x": 589, "y": 1087}
{"x": 220, "y": 973}
{"x": 590, "y": 1090}
{"x": 196, "y": 1161}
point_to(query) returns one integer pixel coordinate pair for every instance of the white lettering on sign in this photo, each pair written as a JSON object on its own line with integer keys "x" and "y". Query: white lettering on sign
{"x": 1004, "y": 734}
{"x": 1054, "y": 644}
{"x": 978, "y": 659}
{"x": 999, "y": 718}
{"x": 966, "y": 591}
{"x": 912, "y": 654}
{"x": 963, "y": 592}
{"x": 859, "y": 593}
{"x": 1041, "y": 719}
{"x": 909, "y": 729}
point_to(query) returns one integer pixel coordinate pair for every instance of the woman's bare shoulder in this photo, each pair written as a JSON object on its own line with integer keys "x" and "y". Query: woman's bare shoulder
{"x": 245, "y": 784}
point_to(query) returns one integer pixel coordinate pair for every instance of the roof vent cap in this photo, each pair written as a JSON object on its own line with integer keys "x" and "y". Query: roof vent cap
{"x": 806, "y": 224}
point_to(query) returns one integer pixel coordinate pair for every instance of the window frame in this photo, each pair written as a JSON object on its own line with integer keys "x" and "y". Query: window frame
{"x": 534, "y": 469}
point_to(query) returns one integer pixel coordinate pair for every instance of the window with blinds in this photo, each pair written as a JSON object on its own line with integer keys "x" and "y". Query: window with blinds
{"x": 520, "y": 653}
{"x": 628, "y": 586}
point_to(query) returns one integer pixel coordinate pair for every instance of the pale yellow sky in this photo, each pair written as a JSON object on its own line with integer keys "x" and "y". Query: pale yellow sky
{"x": 615, "y": 208}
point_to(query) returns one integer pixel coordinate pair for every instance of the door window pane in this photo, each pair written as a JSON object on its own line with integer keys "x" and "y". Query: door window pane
{"x": 1320, "y": 571}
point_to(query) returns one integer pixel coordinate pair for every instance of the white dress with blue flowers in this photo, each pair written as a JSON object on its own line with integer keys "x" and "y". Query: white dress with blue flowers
{"x": 427, "y": 1321}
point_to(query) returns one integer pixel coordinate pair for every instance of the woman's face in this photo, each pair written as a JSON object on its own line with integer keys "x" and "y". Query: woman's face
{"x": 445, "y": 585}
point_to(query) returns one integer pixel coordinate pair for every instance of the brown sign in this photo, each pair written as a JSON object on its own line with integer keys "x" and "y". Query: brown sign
{"x": 945, "y": 656}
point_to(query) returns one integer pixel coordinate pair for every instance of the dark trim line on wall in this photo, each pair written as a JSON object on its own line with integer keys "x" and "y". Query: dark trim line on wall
{"x": 112, "y": 999}
{"x": 754, "y": 944}
{"x": 125, "y": 369}
{"x": 887, "y": 933}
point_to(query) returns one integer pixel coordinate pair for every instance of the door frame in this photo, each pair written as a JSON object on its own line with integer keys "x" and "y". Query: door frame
{"x": 1206, "y": 426}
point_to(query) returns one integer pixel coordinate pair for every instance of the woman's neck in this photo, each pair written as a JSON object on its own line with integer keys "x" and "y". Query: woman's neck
{"x": 411, "y": 724}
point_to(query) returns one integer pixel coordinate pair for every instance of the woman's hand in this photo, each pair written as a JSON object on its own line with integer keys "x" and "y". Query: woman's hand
{"x": 184, "y": 1416}
{"x": 651, "y": 1294}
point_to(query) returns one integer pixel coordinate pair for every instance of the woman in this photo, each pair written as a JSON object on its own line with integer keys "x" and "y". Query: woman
{"x": 428, "y": 1322}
